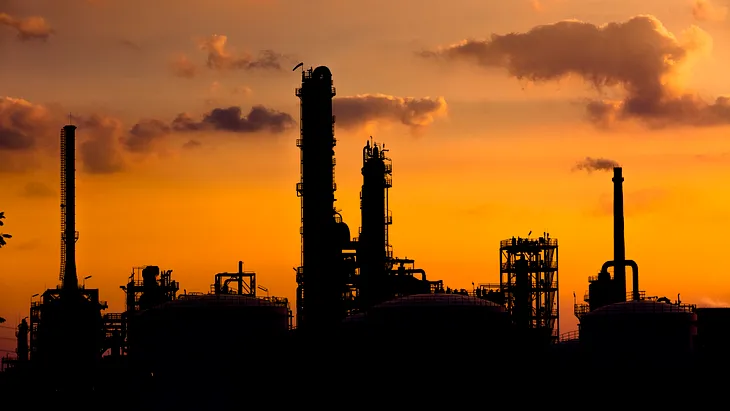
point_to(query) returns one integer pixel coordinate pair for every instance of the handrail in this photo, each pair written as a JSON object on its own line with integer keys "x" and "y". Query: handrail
{"x": 531, "y": 242}
{"x": 569, "y": 336}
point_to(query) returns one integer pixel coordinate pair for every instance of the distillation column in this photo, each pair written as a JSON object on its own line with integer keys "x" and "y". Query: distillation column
{"x": 320, "y": 290}
{"x": 373, "y": 246}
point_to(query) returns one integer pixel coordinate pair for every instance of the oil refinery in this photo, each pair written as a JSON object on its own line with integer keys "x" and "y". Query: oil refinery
{"x": 357, "y": 304}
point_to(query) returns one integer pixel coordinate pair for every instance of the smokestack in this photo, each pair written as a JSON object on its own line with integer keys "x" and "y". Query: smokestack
{"x": 619, "y": 245}
{"x": 68, "y": 208}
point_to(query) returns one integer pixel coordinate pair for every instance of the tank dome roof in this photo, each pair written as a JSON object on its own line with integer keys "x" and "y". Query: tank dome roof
{"x": 322, "y": 71}
{"x": 438, "y": 300}
{"x": 640, "y": 306}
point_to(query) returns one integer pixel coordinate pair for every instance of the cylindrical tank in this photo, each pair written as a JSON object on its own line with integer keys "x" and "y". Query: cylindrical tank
{"x": 713, "y": 333}
{"x": 434, "y": 320}
{"x": 645, "y": 329}
{"x": 206, "y": 331}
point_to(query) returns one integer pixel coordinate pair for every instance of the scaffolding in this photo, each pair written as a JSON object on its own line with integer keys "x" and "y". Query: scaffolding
{"x": 164, "y": 288}
{"x": 529, "y": 283}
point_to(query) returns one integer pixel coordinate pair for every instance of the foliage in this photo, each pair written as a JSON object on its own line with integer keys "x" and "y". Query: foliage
{"x": 3, "y": 236}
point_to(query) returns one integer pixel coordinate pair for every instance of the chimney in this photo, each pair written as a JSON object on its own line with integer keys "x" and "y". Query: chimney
{"x": 619, "y": 245}
{"x": 69, "y": 278}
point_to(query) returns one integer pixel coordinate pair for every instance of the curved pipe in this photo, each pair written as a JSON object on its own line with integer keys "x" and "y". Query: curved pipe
{"x": 634, "y": 272}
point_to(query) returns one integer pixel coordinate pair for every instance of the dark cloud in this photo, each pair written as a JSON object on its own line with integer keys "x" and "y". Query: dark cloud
{"x": 27, "y": 130}
{"x": 356, "y": 111}
{"x": 591, "y": 164}
{"x": 21, "y": 123}
{"x": 142, "y": 135}
{"x": 99, "y": 144}
{"x": 28, "y": 28}
{"x": 232, "y": 119}
{"x": 36, "y": 189}
{"x": 639, "y": 55}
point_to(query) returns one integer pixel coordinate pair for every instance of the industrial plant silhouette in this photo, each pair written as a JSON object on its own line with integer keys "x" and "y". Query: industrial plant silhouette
{"x": 363, "y": 316}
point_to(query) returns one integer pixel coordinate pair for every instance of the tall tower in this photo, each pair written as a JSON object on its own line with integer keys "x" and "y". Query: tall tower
{"x": 320, "y": 290}
{"x": 619, "y": 244}
{"x": 374, "y": 250}
{"x": 69, "y": 235}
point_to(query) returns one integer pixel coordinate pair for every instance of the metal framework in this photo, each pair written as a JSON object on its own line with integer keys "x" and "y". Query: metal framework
{"x": 529, "y": 282}
{"x": 165, "y": 287}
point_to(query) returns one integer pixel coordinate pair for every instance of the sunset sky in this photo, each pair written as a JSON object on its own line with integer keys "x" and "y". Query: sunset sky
{"x": 487, "y": 135}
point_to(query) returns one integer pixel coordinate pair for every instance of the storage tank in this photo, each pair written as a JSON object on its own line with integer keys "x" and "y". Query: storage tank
{"x": 646, "y": 329}
{"x": 434, "y": 320}
{"x": 713, "y": 333}
{"x": 205, "y": 331}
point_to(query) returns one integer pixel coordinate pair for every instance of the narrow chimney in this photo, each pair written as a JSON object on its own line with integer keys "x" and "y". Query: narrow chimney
{"x": 68, "y": 206}
{"x": 619, "y": 245}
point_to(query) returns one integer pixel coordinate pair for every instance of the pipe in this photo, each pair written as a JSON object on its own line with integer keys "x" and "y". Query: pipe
{"x": 412, "y": 271}
{"x": 635, "y": 275}
{"x": 619, "y": 245}
{"x": 240, "y": 277}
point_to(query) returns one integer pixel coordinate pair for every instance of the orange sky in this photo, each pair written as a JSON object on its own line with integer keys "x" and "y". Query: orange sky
{"x": 493, "y": 159}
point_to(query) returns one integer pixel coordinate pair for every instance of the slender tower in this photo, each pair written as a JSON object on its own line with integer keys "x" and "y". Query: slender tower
{"x": 319, "y": 291}
{"x": 619, "y": 245}
{"x": 374, "y": 249}
{"x": 69, "y": 235}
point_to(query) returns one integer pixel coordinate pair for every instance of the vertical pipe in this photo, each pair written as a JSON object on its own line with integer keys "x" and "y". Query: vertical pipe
{"x": 619, "y": 245}
{"x": 70, "y": 279}
{"x": 240, "y": 277}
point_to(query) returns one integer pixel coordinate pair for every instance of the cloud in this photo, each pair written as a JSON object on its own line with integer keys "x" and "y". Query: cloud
{"x": 591, "y": 164}
{"x": 21, "y": 123}
{"x": 639, "y": 56}
{"x": 100, "y": 152}
{"x": 357, "y": 111}
{"x": 144, "y": 136}
{"x": 221, "y": 58}
{"x": 30, "y": 131}
{"x": 638, "y": 202}
{"x": 28, "y": 28}
{"x": 181, "y": 66}
{"x": 35, "y": 189}
{"x": 705, "y": 10}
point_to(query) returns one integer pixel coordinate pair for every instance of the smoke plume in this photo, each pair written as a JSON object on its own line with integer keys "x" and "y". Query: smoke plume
{"x": 591, "y": 164}
{"x": 639, "y": 55}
